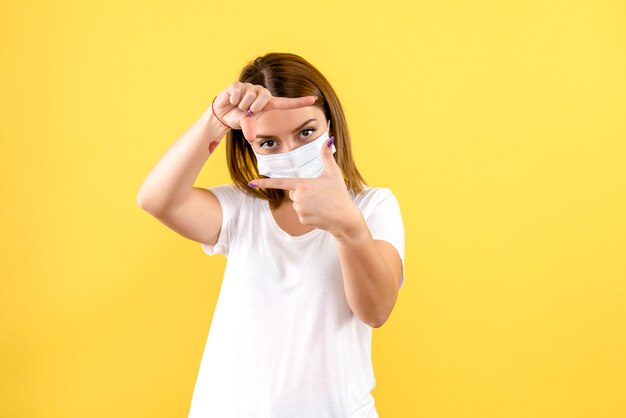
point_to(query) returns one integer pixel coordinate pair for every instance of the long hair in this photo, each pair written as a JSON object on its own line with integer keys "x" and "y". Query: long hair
{"x": 289, "y": 75}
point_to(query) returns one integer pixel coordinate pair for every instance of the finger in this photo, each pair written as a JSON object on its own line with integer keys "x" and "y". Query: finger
{"x": 249, "y": 96}
{"x": 289, "y": 102}
{"x": 276, "y": 183}
{"x": 262, "y": 98}
{"x": 247, "y": 127}
{"x": 234, "y": 91}
{"x": 330, "y": 164}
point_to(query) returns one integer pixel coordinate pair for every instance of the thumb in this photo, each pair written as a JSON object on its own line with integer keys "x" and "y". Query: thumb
{"x": 248, "y": 128}
{"x": 327, "y": 156}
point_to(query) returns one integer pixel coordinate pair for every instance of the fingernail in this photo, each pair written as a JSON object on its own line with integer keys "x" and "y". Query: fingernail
{"x": 331, "y": 141}
{"x": 249, "y": 112}
{"x": 252, "y": 184}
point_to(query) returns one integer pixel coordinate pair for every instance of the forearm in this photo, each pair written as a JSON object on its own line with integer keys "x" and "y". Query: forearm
{"x": 173, "y": 176}
{"x": 368, "y": 281}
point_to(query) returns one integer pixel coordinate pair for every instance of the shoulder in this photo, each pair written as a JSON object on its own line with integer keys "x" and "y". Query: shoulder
{"x": 371, "y": 196}
{"x": 377, "y": 202}
{"x": 232, "y": 190}
{"x": 232, "y": 196}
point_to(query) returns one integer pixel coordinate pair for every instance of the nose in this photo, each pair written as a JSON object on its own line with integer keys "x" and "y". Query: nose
{"x": 288, "y": 146}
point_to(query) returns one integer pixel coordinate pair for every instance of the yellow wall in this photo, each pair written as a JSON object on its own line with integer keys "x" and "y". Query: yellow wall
{"x": 500, "y": 127}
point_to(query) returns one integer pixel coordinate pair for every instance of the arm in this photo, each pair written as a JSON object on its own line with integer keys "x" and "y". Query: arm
{"x": 371, "y": 269}
{"x": 171, "y": 180}
{"x": 167, "y": 192}
{"x": 371, "y": 272}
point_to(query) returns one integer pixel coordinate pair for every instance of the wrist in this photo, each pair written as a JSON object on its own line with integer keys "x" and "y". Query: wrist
{"x": 353, "y": 229}
{"x": 215, "y": 127}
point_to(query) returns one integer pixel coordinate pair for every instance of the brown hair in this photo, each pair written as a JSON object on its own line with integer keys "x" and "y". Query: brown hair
{"x": 289, "y": 75}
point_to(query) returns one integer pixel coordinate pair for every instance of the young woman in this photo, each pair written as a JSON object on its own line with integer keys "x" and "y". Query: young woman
{"x": 314, "y": 255}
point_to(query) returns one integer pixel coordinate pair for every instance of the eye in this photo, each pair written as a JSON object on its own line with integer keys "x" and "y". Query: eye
{"x": 309, "y": 129}
{"x": 269, "y": 141}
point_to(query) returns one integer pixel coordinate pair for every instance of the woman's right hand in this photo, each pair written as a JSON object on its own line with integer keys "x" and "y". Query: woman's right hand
{"x": 231, "y": 105}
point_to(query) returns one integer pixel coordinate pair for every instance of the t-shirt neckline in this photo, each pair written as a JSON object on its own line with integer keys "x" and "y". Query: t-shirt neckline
{"x": 282, "y": 232}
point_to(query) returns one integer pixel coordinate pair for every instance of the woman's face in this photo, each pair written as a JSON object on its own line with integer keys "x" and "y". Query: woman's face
{"x": 283, "y": 130}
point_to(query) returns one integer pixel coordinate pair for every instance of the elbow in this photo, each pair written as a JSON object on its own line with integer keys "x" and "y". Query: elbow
{"x": 141, "y": 202}
{"x": 381, "y": 319}
{"x": 377, "y": 323}
{"x": 370, "y": 321}
{"x": 145, "y": 204}
{"x": 374, "y": 319}
{"x": 154, "y": 206}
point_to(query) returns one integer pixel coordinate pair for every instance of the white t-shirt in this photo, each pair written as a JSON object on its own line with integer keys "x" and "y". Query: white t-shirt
{"x": 283, "y": 341}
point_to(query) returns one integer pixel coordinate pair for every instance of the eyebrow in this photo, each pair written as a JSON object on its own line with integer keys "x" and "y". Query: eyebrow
{"x": 294, "y": 131}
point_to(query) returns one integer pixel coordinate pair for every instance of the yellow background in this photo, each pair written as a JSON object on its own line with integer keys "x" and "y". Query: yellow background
{"x": 499, "y": 126}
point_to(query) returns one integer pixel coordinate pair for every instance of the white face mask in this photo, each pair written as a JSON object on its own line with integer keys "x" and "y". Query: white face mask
{"x": 302, "y": 162}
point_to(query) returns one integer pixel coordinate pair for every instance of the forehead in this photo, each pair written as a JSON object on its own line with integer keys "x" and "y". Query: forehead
{"x": 277, "y": 120}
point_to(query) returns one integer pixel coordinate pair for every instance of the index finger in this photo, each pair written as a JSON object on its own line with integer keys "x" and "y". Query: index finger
{"x": 276, "y": 183}
{"x": 276, "y": 102}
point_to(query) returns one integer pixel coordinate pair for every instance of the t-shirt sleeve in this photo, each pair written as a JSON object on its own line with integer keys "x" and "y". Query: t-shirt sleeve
{"x": 230, "y": 200}
{"x": 384, "y": 220}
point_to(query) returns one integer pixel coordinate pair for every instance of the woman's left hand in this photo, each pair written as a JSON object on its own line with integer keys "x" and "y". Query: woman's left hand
{"x": 323, "y": 202}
